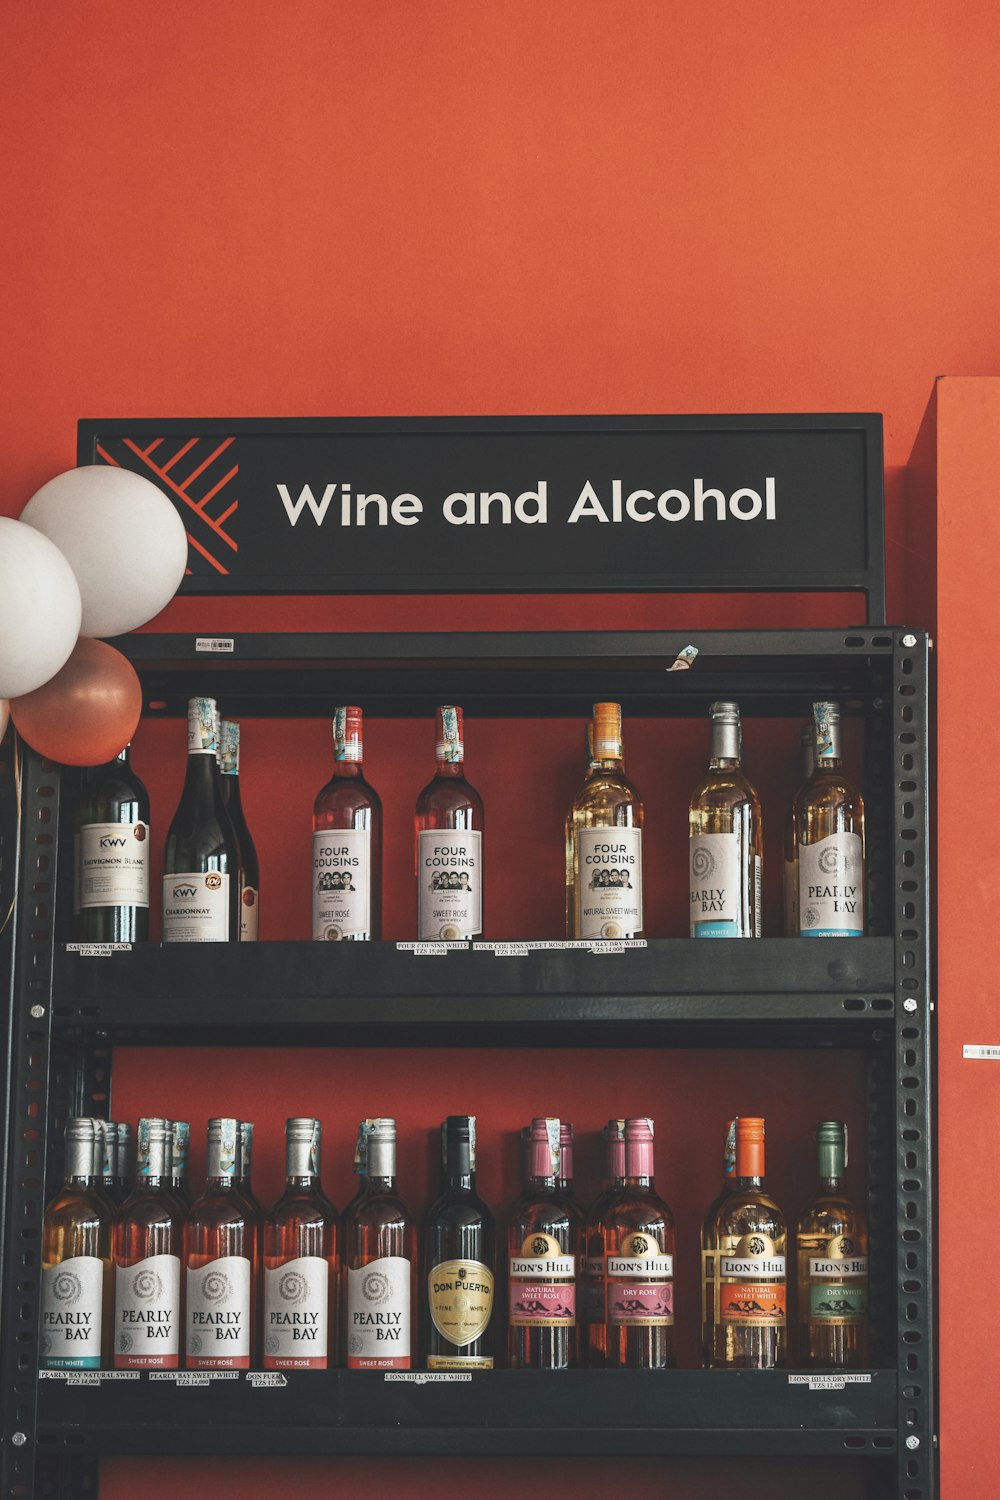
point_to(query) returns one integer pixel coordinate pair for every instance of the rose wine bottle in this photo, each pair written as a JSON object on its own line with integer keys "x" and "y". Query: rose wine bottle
{"x": 790, "y": 886}
{"x": 360, "y": 1165}
{"x": 449, "y": 834}
{"x": 220, "y": 1258}
{"x": 244, "y": 1169}
{"x": 725, "y": 843}
{"x": 604, "y": 842}
{"x": 148, "y": 1241}
{"x": 543, "y": 1250}
{"x": 347, "y": 843}
{"x": 112, "y": 855}
{"x": 833, "y": 1264}
{"x": 300, "y": 1261}
{"x": 459, "y": 1262}
{"x": 639, "y": 1264}
{"x": 76, "y": 1290}
{"x": 201, "y": 861}
{"x": 564, "y": 1181}
{"x": 180, "y": 1142}
{"x": 380, "y": 1255}
{"x": 229, "y": 766}
{"x": 829, "y": 818}
{"x": 593, "y": 1286}
{"x": 743, "y": 1265}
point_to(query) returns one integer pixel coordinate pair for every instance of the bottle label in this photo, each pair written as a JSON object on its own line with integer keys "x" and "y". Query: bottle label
{"x": 218, "y": 1315}
{"x": 838, "y": 1303}
{"x": 202, "y": 727}
{"x": 72, "y": 1304}
{"x": 640, "y": 1287}
{"x": 196, "y": 907}
{"x": 113, "y": 865}
{"x": 449, "y": 884}
{"x": 749, "y": 1265}
{"x": 378, "y": 1315}
{"x": 460, "y": 1298}
{"x": 720, "y": 900}
{"x": 609, "y": 889}
{"x": 831, "y": 873}
{"x": 249, "y": 914}
{"x": 459, "y": 1362}
{"x": 751, "y": 1288}
{"x": 296, "y": 1300}
{"x": 148, "y": 1314}
{"x": 341, "y": 883}
{"x": 542, "y": 1285}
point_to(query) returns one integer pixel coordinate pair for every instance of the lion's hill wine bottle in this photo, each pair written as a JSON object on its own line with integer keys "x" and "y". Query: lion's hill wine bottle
{"x": 639, "y": 1264}
{"x": 543, "y": 1252}
{"x": 833, "y": 1264}
{"x": 459, "y": 1262}
{"x": 300, "y": 1261}
{"x": 76, "y": 1289}
{"x": 593, "y": 1285}
{"x": 148, "y": 1240}
{"x": 380, "y": 1254}
{"x": 229, "y": 766}
{"x": 112, "y": 855}
{"x": 830, "y": 830}
{"x": 448, "y": 830}
{"x": 201, "y": 861}
{"x": 604, "y": 842}
{"x": 347, "y": 843}
{"x": 220, "y": 1259}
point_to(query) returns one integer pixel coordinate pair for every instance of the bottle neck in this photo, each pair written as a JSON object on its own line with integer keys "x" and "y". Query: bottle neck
{"x": 725, "y": 751}
{"x": 348, "y": 770}
{"x": 608, "y": 764}
{"x": 639, "y": 1180}
{"x": 749, "y": 1184}
{"x": 540, "y": 1185}
{"x": 831, "y": 1185}
{"x": 453, "y": 769}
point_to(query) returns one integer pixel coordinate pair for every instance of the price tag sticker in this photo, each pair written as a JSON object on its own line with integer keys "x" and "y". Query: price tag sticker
{"x": 423, "y": 1378}
{"x": 98, "y": 950}
{"x": 983, "y": 1053}
{"x": 215, "y": 645}
{"x": 835, "y": 1382}
{"x": 266, "y": 1379}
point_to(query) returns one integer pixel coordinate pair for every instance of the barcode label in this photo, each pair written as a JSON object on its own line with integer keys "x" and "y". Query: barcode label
{"x": 971, "y": 1049}
{"x": 215, "y": 645}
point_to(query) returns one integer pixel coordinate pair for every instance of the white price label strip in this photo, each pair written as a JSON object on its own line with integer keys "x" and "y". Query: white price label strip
{"x": 422, "y": 1379}
{"x": 975, "y": 1050}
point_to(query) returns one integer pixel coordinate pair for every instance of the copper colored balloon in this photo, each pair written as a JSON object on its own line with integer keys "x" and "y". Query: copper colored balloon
{"x": 87, "y": 712}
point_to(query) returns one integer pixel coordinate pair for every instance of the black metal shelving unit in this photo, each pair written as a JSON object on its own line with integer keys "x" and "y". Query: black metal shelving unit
{"x": 69, "y": 1008}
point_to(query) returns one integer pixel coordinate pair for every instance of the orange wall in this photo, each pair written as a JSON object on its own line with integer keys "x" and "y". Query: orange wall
{"x": 414, "y": 206}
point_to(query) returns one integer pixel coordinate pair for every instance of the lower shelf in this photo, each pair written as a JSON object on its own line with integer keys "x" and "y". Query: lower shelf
{"x": 502, "y": 1412}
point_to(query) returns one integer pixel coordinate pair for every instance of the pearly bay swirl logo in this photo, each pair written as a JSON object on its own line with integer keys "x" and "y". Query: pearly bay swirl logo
{"x": 147, "y": 1286}
{"x": 67, "y": 1288}
{"x": 703, "y": 863}
{"x": 216, "y": 1287}
{"x": 376, "y": 1287}
{"x": 832, "y": 861}
{"x": 293, "y": 1287}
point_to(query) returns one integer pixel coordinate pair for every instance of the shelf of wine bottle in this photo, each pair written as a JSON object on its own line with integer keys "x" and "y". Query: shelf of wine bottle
{"x": 360, "y": 991}
{"x": 496, "y": 1412}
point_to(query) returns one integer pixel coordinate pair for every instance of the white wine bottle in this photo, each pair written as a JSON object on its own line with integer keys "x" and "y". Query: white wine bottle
{"x": 604, "y": 842}
{"x": 229, "y": 765}
{"x": 807, "y": 760}
{"x": 725, "y": 842}
{"x": 201, "y": 861}
{"x": 830, "y": 831}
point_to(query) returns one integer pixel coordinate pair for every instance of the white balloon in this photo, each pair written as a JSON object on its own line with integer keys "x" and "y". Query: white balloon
{"x": 39, "y": 609}
{"x": 123, "y": 539}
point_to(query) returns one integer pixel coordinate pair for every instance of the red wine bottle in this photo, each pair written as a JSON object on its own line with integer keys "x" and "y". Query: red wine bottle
{"x": 459, "y": 1263}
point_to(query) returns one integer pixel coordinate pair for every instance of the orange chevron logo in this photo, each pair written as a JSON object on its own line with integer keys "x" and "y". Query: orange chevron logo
{"x": 199, "y": 476}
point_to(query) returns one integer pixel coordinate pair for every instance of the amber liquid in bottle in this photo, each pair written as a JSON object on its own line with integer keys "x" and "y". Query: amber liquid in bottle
{"x": 743, "y": 1265}
{"x": 829, "y": 815}
{"x": 448, "y": 830}
{"x": 639, "y": 1264}
{"x": 148, "y": 1241}
{"x": 604, "y": 895}
{"x": 380, "y": 1264}
{"x": 459, "y": 1262}
{"x": 249, "y": 877}
{"x": 707, "y": 1286}
{"x": 221, "y": 1263}
{"x": 593, "y": 1325}
{"x": 77, "y": 1292}
{"x": 833, "y": 1265}
{"x": 725, "y": 841}
{"x": 347, "y": 843}
{"x": 300, "y": 1261}
{"x": 543, "y": 1252}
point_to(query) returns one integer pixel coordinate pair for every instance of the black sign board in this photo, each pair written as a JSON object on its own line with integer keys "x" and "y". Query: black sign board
{"x": 518, "y": 504}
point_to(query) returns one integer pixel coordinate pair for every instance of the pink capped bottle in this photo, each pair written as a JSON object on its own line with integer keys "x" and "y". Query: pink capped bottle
{"x": 543, "y": 1249}
{"x": 639, "y": 1264}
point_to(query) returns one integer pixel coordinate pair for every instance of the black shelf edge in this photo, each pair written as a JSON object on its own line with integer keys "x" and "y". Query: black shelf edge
{"x": 497, "y": 1412}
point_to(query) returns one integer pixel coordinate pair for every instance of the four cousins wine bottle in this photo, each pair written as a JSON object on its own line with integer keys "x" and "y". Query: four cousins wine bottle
{"x": 347, "y": 843}
{"x": 604, "y": 883}
{"x": 448, "y": 834}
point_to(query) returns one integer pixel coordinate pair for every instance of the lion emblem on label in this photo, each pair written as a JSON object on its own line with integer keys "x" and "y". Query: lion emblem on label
{"x": 639, "y": 1244}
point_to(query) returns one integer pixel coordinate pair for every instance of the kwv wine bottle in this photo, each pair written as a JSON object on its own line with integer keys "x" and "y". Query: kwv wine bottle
{"x": 221, "y": 1263}
{"x": 448, "y": 829}
{"x": 790, "y": 873}
{"x": 743, "y": 1265}
{"x": 639, "y": 1264}
{"x": 829, "y": 817}
{"x": 201, "y": 863}
{"x": 112, "y": 855}
{"x": 543, "y": 1252}
{"x": 347, "y": 843}
{"x": 833, "y": 1264}
{"x": 604, "y": 842}
{"x": 380, "y": 1255}
{"x": 725, "y": 844}
{"x": 148, "y": 1242}
{"x": 229, "y": 766}
{"x": 300, "y": 1261}
{"x": 459, "y": 1262}
{"x": 76, "y": 1291}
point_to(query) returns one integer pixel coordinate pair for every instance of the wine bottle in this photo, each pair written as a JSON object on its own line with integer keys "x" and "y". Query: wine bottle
{"x": 459, "y": 1262}
{"x": 725, "y": 844}
{"x": 148, "y": 1241}
{"x": 743, "y": 1263}
{"x": 124, "y": 1174}
{"x": 360, "y": 1167}
{"x": 543, "y": 1249}
{"x": 109, "y": 1180}
{"x": 639, "y": 1264}
{"x": 347, "y": 843}
{"x": 112, "y": 855}
{"x": 604, "y": 842}
{"x": 300, "y": 1261}
{"x": 830, "y": 829}
{"x": 220, "y": 1259}
{"x": 249, "y": 865}
{"x": 76, "y": 1290}
{"x": 449, "y": 833}
{"x": 380, "y": 1245}
{"x": 790, "y": 883}
{"x": 201, "y": 864}
{"x": 833, "y": 1264}
{"x": 180, "y": 1141}
{"x": 244, "y": 1169}
{"x": 593, "y": 1287}
{"x": 707, "y": 1256}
